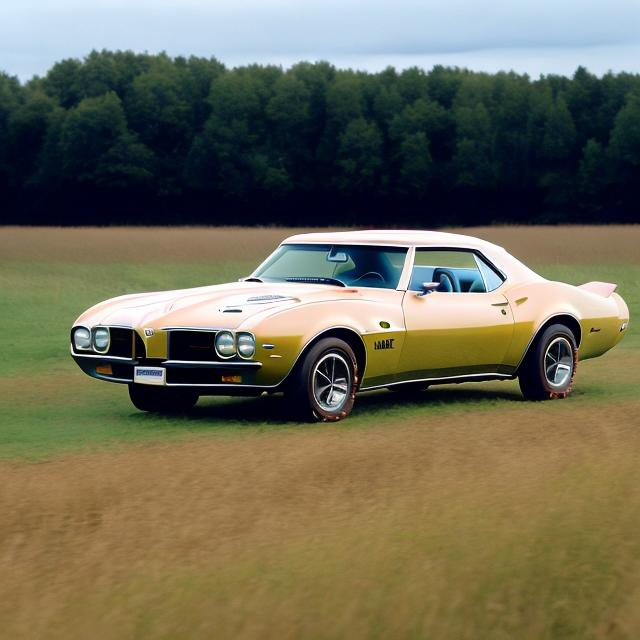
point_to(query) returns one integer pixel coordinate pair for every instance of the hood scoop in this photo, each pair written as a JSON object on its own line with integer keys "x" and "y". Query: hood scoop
{"x": 238, "y": 305}
{"x": 272, "y": 297}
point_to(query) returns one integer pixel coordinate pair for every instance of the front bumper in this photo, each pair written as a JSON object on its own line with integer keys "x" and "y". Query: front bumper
{"x": 224, "y": 378}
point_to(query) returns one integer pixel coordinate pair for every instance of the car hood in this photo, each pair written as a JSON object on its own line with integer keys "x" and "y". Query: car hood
{"x": 227, "y": 306}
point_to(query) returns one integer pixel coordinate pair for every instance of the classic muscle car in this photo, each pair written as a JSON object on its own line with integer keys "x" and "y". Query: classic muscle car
{"x": 328, "y": 315}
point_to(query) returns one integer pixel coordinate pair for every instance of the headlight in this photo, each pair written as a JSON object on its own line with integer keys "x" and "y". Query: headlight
{"x": 82, "y": 339}
{"x": 246, "y": 345}
{"x": 101, "y": 339}
{"x": 225, "y": 344}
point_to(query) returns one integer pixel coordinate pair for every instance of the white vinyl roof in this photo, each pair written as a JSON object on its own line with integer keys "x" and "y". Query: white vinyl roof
{"x": 392, "y": 237}
{"x": 509, "y": 265}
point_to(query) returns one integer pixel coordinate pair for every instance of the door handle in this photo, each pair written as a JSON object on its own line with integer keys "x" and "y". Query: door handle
{"x": 499, "y": 304}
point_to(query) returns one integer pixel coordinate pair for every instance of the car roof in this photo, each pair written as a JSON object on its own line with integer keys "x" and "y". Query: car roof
{"x": 393, "y": 237}
{"x": 416, "y": 238}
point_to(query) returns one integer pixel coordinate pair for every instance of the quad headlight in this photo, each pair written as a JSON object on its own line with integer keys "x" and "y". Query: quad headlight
{"x": 101, "y": 339}
{"x": 246, "y": 345}
{"x": 225, "y": 344}
{"x": 82, "y": 339}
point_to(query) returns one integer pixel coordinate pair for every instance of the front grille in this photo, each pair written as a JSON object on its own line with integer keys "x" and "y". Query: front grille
{"x": 121, "y": 343}
{"x": 192, "y": 345}
{"x": 139, "y": 350}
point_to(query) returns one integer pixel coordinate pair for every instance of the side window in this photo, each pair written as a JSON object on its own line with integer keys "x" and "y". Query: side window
{"x": 455, "y": 271}
{"x": 492, "y": 279}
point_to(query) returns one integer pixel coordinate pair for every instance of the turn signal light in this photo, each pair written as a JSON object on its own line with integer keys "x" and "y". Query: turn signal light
{"x": 104, "y": 369}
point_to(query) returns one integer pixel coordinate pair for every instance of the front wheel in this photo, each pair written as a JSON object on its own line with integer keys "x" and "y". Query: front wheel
{"x": 550, "y": 365}
{"x": 162, "y": 399}
{"x": 323, "y": 388}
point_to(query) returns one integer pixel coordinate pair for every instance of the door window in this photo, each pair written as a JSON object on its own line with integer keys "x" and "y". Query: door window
{"x": 455, "y": 271}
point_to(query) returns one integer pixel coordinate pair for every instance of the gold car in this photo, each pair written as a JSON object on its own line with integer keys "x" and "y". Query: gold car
{"x": 328, "y": 315}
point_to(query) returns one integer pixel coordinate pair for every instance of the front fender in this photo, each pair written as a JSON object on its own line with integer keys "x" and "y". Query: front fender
{"x": 282, "y": 336}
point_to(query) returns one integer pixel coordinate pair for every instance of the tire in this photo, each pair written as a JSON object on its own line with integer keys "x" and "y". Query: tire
{"x": 549, "y": 368}
{"x": 161, "y": 399}
{"x": 329, "y": 361}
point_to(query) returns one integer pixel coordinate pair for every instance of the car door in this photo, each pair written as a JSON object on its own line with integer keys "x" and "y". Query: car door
{"x": 464, "y": 327}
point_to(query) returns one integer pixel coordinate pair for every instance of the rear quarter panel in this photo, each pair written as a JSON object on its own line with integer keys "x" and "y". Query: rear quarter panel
{"x": 533, "y": 304}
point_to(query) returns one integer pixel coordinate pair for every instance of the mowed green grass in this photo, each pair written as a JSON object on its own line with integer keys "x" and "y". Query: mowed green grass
{"x": 462, "y": 513}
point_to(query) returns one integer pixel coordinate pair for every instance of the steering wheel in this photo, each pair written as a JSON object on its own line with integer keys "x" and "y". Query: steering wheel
{"x": 448, "y": 279}
{"x": 372, "y": 274}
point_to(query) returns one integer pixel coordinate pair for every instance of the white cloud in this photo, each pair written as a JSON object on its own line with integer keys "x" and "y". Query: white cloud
{"x": 36, "y": 33}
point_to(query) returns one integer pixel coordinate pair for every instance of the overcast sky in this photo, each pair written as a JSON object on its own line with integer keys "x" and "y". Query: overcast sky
{"x": 542, "y": 36}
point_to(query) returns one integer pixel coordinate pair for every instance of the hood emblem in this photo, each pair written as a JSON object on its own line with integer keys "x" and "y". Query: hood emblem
{"x": 148, "y": 332}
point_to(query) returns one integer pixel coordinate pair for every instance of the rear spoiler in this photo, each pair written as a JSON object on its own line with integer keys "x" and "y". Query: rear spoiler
{"x": 604, "y": 289}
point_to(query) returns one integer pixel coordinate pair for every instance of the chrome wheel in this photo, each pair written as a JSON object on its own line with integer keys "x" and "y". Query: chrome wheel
{"x": 558, "y": 362}
{"x": 331, "y": 379}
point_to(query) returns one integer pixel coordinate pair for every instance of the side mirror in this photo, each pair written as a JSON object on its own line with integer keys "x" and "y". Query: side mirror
{"x": 427, "y": 288}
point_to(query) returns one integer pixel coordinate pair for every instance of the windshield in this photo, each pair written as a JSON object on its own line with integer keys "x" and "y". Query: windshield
{"x": 339, "y": 264}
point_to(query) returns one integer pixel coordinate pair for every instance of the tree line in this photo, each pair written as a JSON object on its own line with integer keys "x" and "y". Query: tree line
{"x": 121, "y": 137}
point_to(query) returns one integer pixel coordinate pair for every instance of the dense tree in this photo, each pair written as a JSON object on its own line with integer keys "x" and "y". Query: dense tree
{"x": 28, "y": 128}
{"x": 592, "y": 176}
{"x": 625, "y": 136}
{"x": 473, "y": 160}
{"x": 185, "y": 139}
{"x": 359, "y": 156}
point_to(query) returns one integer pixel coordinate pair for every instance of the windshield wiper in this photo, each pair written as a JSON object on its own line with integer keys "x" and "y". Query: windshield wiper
{"x": 317, "y": 280}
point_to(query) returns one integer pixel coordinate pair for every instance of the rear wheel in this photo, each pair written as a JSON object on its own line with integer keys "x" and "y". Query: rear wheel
{"x": 323, "y": 388}
{"x": 162, "y": 399}
{"x": 550, "y": 365}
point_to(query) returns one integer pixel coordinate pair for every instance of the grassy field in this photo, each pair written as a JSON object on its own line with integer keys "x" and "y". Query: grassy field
{"x": 464, "y": 513}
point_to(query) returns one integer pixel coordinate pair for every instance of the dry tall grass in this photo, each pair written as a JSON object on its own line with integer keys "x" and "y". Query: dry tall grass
{"x": 617, "y": 244}
{"x": 481, "y": 526}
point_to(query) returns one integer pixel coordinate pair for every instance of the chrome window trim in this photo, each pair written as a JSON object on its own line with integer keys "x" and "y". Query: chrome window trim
{"x": 476, "y": 253}
{"x": 405, "y": 276}
{"x": 484, "y": 280}
{"x": 408, "y": 247}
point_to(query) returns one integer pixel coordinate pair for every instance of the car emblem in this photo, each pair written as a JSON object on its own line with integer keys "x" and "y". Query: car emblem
{"x": 148, "y": 332}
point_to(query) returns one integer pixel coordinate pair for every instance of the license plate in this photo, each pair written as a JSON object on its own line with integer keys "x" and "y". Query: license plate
{"x": 149, "y": 375}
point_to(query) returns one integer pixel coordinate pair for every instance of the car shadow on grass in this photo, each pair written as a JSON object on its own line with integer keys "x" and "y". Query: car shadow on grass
{"x": 215, "y": 412}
